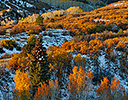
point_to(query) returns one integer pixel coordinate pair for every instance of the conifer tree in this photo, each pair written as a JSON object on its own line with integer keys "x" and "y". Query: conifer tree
{"x": 39, "y": 20}
{"x": 39, "y": 66}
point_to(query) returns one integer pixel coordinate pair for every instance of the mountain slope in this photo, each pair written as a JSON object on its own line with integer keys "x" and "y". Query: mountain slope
{"x": 111, "y": 17}
{"x": 33, "y": 6}
{"x": 13, "y": 10}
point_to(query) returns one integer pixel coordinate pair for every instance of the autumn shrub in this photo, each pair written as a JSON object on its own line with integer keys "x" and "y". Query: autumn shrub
{"x": 84, "y": 47}
{"x": 9, "y": 44}
{"x": 19, "y": 28}
{"x": 120, "y": 46}
{"x": 18, "y": 61}
{"x": 2, "y": 30}
{"x": 54, "y": 26}
{"x": 110, "y": 90}
{"x": 96, "y": 28}
{"x": 35, "y": 28}
{"x": 51, "y": 49}
{"x": 79, "y": 61}
{"x": 47, "y": 91}
{"x": 95, "y": 46}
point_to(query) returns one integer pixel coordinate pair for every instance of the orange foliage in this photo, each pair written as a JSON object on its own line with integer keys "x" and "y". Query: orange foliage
{"x": 18, "y": 61}
{"x": 115, "y": 84}
{"x": 120, "y": 45}
{"x": 94, "y": 46}
{"x": 78, "y": 80}
{"x": 45, "y": 91}
{"x": 26, "y": 27}
{"x": 22, "y": 81}
{"x": 103, "y": 86}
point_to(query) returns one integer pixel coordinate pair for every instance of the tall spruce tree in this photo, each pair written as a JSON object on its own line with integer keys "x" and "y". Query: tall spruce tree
{"x": 38, "y": 68}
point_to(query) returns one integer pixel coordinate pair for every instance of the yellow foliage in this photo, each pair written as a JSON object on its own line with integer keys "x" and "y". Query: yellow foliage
{"x": 78, "y": 80}
{"x": 22, "y": 81}
{"x": 18, "y": 61}
{"x": 73, "y": 10}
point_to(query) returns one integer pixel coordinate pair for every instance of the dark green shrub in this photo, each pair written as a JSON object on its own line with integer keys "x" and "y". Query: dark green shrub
{"x": 97, "y": 28}
{"x": 60, "y": 26}
{"x": 1, "y": 50}
{"x": 80, "y": 34}
{"x": 56, "y": 15}
{"x": 120, "y": 32}
{"x": 52, "y": 20}
{"x": 8, "y": 44}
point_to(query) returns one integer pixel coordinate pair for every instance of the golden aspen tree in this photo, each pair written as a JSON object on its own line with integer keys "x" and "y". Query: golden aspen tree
{"x": 22, "y": 83}
{"x": 79, "y": 83}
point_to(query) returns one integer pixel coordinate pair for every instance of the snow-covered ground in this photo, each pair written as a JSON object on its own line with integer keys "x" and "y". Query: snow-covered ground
{"x": 102, "y": 20}
{"x": 6, "y": 85}
{"x": 50, "y": 37}
{"x": 118, "y": 4}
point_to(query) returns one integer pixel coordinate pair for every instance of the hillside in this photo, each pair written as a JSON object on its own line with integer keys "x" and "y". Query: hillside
{"x": 32, "y": 6}
{"x": 13, "y": 10}
{"x": 86, "y": 5}
{"x": 111, "y": 17}
{"x": 67, "y": 54}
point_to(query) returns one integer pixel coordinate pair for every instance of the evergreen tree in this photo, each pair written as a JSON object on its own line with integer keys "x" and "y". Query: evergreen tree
{"x": 39, "y": 66}
{"x": 29, "y": 46}
{"x": 39, "y": 20}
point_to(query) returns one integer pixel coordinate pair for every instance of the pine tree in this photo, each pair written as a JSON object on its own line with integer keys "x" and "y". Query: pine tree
{"x": 39, "y": 66}
{"x": 39, "y": 20}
